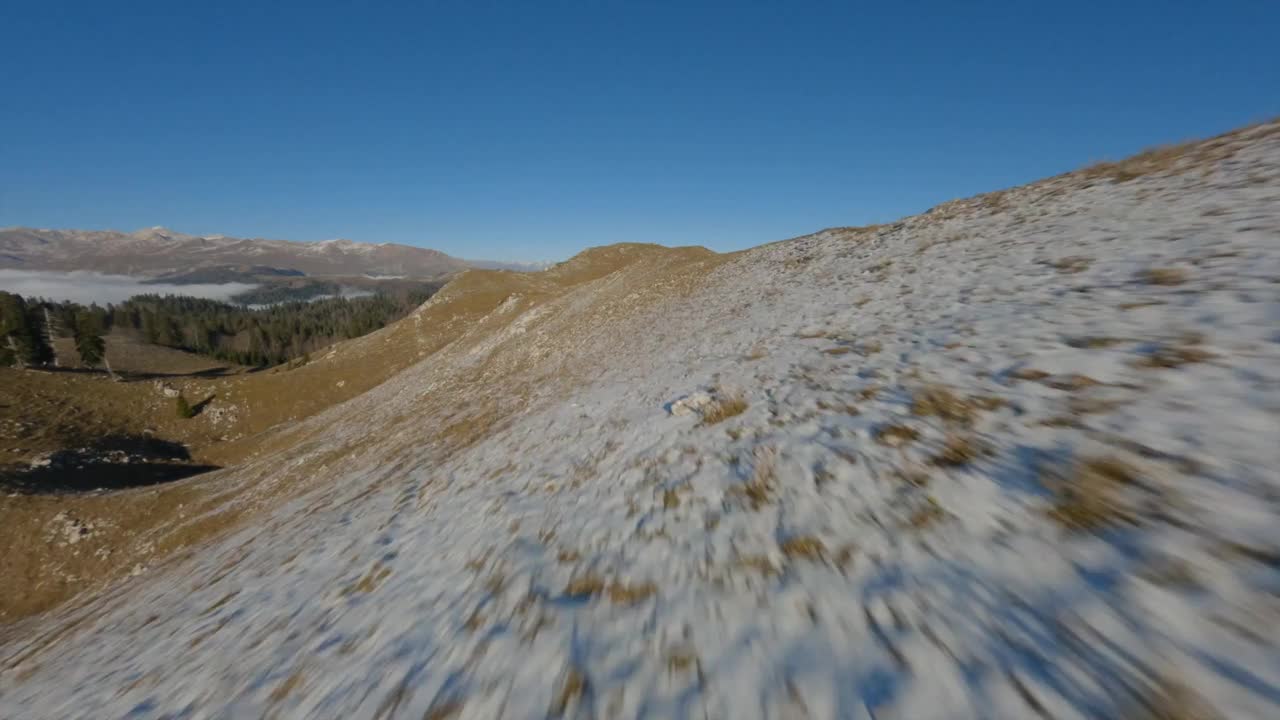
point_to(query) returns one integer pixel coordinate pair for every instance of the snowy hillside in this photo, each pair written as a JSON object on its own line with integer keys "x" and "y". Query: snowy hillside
{"x": 1016, "y": 457}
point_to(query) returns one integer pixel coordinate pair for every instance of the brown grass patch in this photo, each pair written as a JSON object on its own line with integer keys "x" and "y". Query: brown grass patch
{"x": 841, "y": 350}
{"x": 759, "y": 488}
{"x": 868, "y": 348}
{"x": 959, "y": 450}
{"x": 1092, "y": 342}
{"x": 1071, "y": 264}
{"x": 988, "y": 402}
{"x": 670, "y": 499}
{"x": 938, "y": 401}
{"x": 841, "y": 407}
{"x": 584, "y": 586}
{"x": 677, "y": 660}
{"x": 370, "y": 581}
{"x": 1031, "y": 374}
{"x": 286, "y": 687}
{"x": 724, "y": 408}
{"x": 1139, "y": 304}
{"x": 1071, "y": 382}
{"x": 1163, "y": 276}
{"x": 927, "y": 515}
{"x": 622, "y": 594}
{"x": 1173, "y": 356}
{"x": 803, "y": 547}
{"x": 1169, "y": 700}
{"x": 574, "y": 687}
{"x": 895, "y": 435}
{"x": 1087, "y": 494}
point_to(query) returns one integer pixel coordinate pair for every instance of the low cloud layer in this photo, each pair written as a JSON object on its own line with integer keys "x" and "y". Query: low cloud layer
{"x": 90, "y": 287}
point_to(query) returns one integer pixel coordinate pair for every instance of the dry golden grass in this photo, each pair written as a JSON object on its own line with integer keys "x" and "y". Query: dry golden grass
{"x": 1169, "y": 700}
{"x": 443, "y": 711}
{"x": 1163, "y": 276}
{"x": 679, "y": 660}
{"x": 938, "y": 401}
{"x": 370, "y": 581}
{"x": 670, "y": 499}
{"x": 1087, "y": 495}
{"x": 895, "y": 435}
{"x": 803, "y": 547}
{"x": 1071, "y": 264}
{"x": 622, "y": 594}
{"x": 1202, "y": 155}
{"x": 959, "y": 450}
{"x": 927, "y": 515}
{"x": 286, "y": 687}
{"x": 869, "y": 347}
{"x": 1030, "y": 374}
{"x": 724, "y": 408}
{"x": 759, "y": 489}
{"x": 584, "y": 586}
{"x": 573, "y": 688}
{"x": 840, "y": 350}
{"x": 1071, "y": 382}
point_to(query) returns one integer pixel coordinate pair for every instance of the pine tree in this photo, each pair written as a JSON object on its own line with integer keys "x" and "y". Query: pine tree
{"x": 88, "y": 338}
{"x": 184, "y": 408}
{"x": 21, "y": 328}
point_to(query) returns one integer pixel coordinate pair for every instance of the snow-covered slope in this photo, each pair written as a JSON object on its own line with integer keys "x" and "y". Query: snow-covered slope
{"x": 1015, "y": 457}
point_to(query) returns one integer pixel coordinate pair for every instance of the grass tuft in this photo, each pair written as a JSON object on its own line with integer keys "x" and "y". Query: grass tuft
{"x": 896, "y": 435}
{"x": 1163, "y": 276}
{"x": 803, "y": 547}
{"x": 1087, "y": 495}
{"x": 959, "y": 450}
{"x": 724, "y": 408}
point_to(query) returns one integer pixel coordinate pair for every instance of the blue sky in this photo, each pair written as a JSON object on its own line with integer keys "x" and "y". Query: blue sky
{"x": 532, "y": 130}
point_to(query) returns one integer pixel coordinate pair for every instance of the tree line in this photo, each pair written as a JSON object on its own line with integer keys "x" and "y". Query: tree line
{"x": 256, "y": 337}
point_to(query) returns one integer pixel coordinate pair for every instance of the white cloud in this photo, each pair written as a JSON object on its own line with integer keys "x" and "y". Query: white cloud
{"x": 86, "y": 287}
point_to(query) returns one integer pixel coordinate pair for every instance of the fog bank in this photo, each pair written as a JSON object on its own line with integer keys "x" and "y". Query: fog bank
{"x": 86, "y": 287}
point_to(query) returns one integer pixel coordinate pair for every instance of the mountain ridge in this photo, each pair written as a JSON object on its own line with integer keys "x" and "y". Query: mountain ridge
{"x": 155, "y": 251}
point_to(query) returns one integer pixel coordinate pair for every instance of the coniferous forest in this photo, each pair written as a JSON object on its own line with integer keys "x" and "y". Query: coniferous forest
{"x": 256, "y": 337}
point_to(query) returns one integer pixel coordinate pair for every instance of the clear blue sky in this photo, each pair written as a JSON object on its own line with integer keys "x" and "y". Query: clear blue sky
{"x": 531, "y": 130}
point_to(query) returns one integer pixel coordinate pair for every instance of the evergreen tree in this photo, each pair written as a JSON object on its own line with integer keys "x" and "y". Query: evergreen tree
{"x": 88, "y": 338}
{"x": 22, "y": 332}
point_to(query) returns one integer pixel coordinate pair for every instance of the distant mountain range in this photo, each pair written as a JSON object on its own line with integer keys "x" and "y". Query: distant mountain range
{"x": 158, "y": 251}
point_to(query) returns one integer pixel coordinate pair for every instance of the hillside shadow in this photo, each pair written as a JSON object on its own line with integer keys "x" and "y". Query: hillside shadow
{"x": 143, "y": 375}
{"x": 113, "y": 462}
